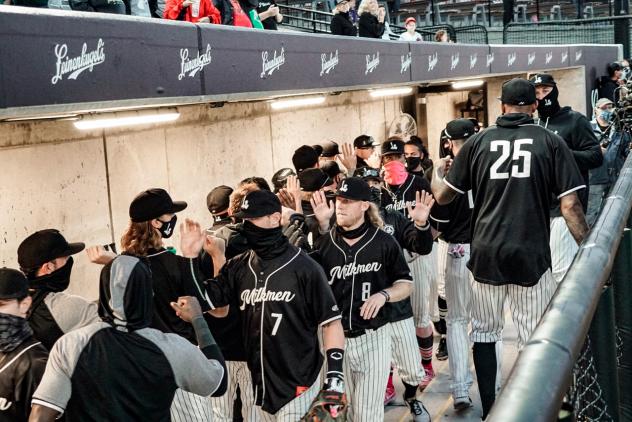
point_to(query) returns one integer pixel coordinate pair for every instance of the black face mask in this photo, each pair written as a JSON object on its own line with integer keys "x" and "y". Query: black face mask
{"x": 267, "y": 243}
{"x": 13, "y": 331}
{"x": 549, "y": 105}
{"x": 167, "y": 228}
{"x": 412, "y": 163}
{"x": 57, "y": 281}
{"x": 376, "y": 195}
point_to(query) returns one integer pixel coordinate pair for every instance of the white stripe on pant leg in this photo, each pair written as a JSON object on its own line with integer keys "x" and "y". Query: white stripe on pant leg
{"x": 563, "y": 248}
{"x": 420, "y": 296}
{"x": 487, "y": 312}
{"x": 458, "y": 297}
{"x": 406, "y": 352}
{"x": 189, "y": 407}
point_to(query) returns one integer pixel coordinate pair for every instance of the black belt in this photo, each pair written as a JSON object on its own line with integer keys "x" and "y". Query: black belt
{"x": 356, "y": 333}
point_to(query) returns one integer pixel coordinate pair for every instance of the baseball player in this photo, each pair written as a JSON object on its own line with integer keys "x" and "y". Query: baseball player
{"x": 279, "y": 179}
{"x": 576, "y": 130}
{"x": 364, "y": 147}
{"x": 402, "y": 189}
{"x": 366, "y": 270}
{"x": 282, "y": 298}
{"x": 144, "y": 366}
{"x": 512, "y": 162}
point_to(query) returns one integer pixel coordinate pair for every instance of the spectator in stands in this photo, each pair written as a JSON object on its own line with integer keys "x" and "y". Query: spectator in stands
{"x": 625, "y": 64}
{"x": 607, "y": 86}
{"x": 137, "y": 8}
{"x": 269, "y": 14}
{"x": 371, "y": 23}
{"x": 232, "y": 14}
{"x": 196, "y": 11}
{"x": 353, "y": 12}
{"x": 411, "y": 34}
{"x": 113, "y": 6}
{"x": 341, "y": 22}
{"x": 442, "y": 36}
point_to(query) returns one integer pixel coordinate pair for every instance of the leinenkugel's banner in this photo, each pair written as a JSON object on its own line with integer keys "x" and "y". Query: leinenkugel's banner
{"x": 72, "y": 58}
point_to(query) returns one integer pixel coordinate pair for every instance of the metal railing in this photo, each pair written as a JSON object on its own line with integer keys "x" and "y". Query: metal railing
{"x": 548, "y": 363}
{"x": 306, "y": 19}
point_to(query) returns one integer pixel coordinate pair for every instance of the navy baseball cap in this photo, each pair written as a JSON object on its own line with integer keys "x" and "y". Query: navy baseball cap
{"x": 13, "y": 284}
{"x": 354, "y": 188}
{"x": 44, "y": 246}
{"x": 364, "y": 141}
{"x": 153, "y": 203}
{"x": 460, "y": 129}
{"x": 368, "y": 173}
{"x": 259, "y": 203}
{"x": 519, "y": 92}
{"x": 393, "y": 146}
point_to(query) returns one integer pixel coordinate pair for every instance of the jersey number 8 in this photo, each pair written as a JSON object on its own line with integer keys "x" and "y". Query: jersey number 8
{"x": 518, "y": 156}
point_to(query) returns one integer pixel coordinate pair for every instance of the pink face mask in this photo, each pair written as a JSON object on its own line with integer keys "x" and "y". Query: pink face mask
{"x": 395, "y": 173}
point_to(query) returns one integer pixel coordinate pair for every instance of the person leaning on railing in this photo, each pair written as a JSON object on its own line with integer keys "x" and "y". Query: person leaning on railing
{"x": 341, "y": 21}
{"x": 197, "y": 11}
{"x": 371, "y": 23}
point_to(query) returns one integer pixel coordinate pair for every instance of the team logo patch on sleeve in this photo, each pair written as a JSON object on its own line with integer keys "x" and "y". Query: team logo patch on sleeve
{"x": 389, "y": 229}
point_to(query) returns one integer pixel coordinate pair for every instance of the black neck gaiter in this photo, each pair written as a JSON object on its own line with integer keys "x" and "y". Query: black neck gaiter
{"x": 13, "y": 331}
{"x": 355, "y": 233}
{"x": 57, "y": 281}
{"x": 266, "y": 243}
{"x": 549, "y": 105}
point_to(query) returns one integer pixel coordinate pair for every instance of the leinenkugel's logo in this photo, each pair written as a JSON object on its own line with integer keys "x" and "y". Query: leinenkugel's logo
{"x": 530, "y": 58}
{"x": 372, "y": 61}
{"x": 578, "y": 55}
{"x": 564, "y": 57}
{"x": 548, "y": 57}
{"x": 454, "y": 61}
{"x": 473, "y": 60}
{"x": 407, "y": 60}
{"x": 269, "y": 66}
{"x": 190, "y": 67}
{"x": 490, "y": 59}
{"x": 433, "y": 59}
{"x": 76, "y": 65}
{"x": 328, "y": 63}
{"x": 511, "y": 59}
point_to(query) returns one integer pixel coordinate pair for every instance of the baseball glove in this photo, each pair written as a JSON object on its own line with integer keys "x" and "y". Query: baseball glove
{"x": 328, "y": 406}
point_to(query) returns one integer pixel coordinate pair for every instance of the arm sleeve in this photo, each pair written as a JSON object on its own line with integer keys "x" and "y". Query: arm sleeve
{"x": 318, "y": 295}
{"x": 396, "y": 267}
{"x": 567, "y": 178}
{"x": 459, "y": 176}
{"x": 71, "y": 312}
{"x": 440, "y": 217}
{"x": 586, "y": 149}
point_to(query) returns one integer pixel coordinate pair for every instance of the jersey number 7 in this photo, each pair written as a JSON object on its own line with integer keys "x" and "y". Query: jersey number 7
{"x": 522, "y": 159}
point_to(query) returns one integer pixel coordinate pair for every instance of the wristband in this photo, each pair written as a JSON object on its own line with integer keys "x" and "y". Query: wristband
{"x": 386, "y": 295}
{"x": 424, "y": 227}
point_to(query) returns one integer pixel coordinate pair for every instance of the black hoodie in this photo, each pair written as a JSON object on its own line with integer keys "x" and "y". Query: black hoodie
{"x": 341, "y": 25}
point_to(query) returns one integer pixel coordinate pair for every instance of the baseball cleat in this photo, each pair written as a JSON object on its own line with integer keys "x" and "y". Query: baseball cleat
{"x": 418, "y": 410}
{"x": 442, "y": 350}
{"x": 462, "y": 403}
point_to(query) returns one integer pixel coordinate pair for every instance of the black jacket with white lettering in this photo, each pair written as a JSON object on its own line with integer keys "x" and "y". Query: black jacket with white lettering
{"x": 356, "y": 272}
{"x": 21, "y": 370}
{"x": 282, "y": 302}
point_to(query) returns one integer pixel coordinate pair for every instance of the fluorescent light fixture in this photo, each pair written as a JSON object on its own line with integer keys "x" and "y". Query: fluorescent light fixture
{"x": 128, "y": 118}
{"x": 391, "y": 92}
{"x": 297, "y": 102}
{"x": 467, "y": 84}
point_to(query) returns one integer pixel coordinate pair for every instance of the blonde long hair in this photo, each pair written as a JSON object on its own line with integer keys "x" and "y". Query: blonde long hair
{"x": 365, "y": 7}
{"x": 139, "y": 238}
{"x": 372, "y": 215}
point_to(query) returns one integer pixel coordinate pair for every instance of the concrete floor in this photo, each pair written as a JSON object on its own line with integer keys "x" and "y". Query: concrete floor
{"x": 437, "y": 398}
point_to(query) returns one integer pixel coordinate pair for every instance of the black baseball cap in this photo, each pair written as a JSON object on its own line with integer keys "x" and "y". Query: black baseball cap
{"x": 218, "y": 200}
{"x": 279, "y": 179}
{"x": 330, "y": 149}
{"x": 368, "y": 173}
{"x": 13, "y": 284}
{"x": 331, "y": 168}
{"x": 354, "y": 188}
{"x": 259, "y": 203}
{"x": 364, "y": 141}
{"x": 44, "y": 246}
{"x": 304, "y": 157}
{"x": 460, "y": 129}
{"x": 542, "y": 79}
{"x": 313, "y": 179}
{"x": 518, "y": 91}
{"x": 318, "y": 149}
{"x": 153, "y": 203}
{"x": 392, "y": 146}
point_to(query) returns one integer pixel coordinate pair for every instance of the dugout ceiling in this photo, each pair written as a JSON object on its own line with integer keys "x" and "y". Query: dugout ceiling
{"x": 61, "y": 62}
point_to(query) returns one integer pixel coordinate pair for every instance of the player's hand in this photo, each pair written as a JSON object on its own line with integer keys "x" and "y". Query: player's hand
{"x": 442, "y": 167}
{"x": 293, "y": 186}
{"x": 348, "y": 158}
{"x": 372, "y": 306}
{"x": 286, "y": 198}
{"x": 191, "y": 238}
{"x": 187, "y": 308}
{"x": 186, "y": 3}
{"x": 98, "y": 255}
{"x": 274, "y": 10}
{"x": 323, "y": 210}
{"x": 214, "y": 246}
{"x": 423, "y": 204}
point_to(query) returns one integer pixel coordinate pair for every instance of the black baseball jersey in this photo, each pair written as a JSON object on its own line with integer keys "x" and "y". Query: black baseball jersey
{"x": 453, "y": 219}
{"x": 282, "y": 302}
{"x": 513, "y": 168}
{"x": 404, "y": 195}
{"x": 356, "y": 272}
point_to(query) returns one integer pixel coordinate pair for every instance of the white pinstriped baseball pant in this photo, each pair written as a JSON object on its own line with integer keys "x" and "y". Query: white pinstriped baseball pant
{"x": 189, "y": 407}
{"x": 406, "y": 352}
{"x": 295, "y": 409}
{"x": 424, "y": 272}
{"x": 563, "y": 248}
{"x": 222, "y": 407}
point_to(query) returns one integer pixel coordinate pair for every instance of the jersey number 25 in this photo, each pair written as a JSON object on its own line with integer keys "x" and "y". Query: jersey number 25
{"x": 522, "y": 159}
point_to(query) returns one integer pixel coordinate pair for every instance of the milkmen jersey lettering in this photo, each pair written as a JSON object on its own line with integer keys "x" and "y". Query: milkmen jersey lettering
{"x": 512, "y": 169}
{"x": 453, "y": 219}
{"x": 281, "y": 302}
{"x": 356, "y": 272}
{"x": 405, "y": 195}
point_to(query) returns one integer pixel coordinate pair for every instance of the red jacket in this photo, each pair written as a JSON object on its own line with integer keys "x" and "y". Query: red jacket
{"x": 175, "y": 11}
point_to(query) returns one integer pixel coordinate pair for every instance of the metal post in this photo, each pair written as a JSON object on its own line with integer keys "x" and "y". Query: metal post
{"x": 602, "y": 336}
{"x": 489, "y": 13}
{"x": 537, "y": 10}
{"x": 622, "y": 27}
{"x": 621, "y": 273}
{"x": 432, "y": 12}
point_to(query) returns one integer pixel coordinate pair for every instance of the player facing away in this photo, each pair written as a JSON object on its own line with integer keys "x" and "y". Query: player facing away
{"x": 512, "y": 168}
{"x": 366, "y": 270}
{"x": 283, "y": 299}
